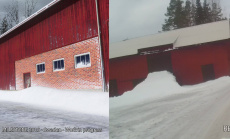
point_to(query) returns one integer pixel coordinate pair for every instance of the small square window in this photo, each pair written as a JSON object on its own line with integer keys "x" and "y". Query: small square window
{"x": 40, "y": 68}
{"x": 58, "y": 65}
{"x": 82, "y": 60}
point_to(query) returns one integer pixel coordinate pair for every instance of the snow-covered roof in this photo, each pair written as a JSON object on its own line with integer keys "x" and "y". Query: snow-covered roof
{"x": 178, "y": 38}
{"x": 31, "y": 17}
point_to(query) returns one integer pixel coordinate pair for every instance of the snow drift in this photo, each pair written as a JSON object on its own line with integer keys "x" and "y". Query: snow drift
{"x": 157, "y": 85}
{"x": 95, "y": 103}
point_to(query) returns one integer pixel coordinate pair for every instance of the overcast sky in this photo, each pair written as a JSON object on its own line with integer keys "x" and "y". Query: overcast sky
{"x": 3, "y": 3}
{"x": 135, "y": 18}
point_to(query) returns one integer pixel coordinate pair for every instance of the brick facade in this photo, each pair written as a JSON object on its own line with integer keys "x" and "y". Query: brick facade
{"x": 70, "y": 77}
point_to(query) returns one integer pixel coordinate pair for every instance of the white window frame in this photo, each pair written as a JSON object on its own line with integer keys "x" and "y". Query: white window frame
{"x": 58, "y": 60}
{"x": 40, "y": 64}
{"x": 75, "y": 62}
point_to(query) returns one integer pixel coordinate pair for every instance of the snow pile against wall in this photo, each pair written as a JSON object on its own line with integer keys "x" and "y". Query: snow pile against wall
{"x": 158, "y": 85}
{"x": 94, "y": 103}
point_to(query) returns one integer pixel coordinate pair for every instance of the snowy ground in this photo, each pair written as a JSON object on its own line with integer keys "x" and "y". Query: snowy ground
{"x": 171, "y": 111}
{"x": 35, "y": 108}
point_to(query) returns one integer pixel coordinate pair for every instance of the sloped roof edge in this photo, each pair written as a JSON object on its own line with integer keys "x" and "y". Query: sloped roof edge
{"x": 31, "y": 17}
{"x": 178, "y": 38}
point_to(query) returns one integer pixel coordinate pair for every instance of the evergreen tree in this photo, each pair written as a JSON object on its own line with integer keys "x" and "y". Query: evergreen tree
{"x": 4, "y": 25}
{"x": 179, "y": 19}
{"x": 216, "y": 12}
{"x": 199, "y": 13}
{"x": 188, "y": 13}
{"x": 169, "y": 24}
{"x": 192, "y": 13}
{"x": 206, "y": 12}
{"x": 175, "y": 14}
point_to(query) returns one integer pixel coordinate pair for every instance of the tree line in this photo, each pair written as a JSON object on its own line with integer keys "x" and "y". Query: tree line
{"x": 190, "y": 13}
{"x": 11, "y": 17}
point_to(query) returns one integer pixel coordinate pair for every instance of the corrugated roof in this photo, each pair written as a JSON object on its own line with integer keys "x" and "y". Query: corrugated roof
{"x": 31, "y": 17}
{"x": 178, "y": 38}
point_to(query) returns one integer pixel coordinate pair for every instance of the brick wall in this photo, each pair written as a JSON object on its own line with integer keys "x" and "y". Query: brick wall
{"x": 71, "y": 77}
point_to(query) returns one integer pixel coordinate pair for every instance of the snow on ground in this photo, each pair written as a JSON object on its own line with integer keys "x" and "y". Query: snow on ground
{"x": 43, "y": 119}
{"x": 93, "y": 103}
{"x": 158, "y": 108}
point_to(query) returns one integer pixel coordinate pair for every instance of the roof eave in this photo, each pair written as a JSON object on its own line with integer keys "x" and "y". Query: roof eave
{"x": 30, "y": 17}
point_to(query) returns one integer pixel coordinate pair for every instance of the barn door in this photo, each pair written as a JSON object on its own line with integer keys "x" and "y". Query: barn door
{"x": 113, "y": 88}
{"x": 208, "y": 72}
{"x": 27, "y": 80}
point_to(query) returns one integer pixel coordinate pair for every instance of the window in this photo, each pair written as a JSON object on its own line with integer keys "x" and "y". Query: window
{"x": 82, "y": 60}
{"x": 58, "y": 64}
{"x": 40, "y": 68}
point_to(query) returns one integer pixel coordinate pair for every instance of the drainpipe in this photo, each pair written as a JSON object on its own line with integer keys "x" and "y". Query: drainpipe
{"x": 99, "y": 38}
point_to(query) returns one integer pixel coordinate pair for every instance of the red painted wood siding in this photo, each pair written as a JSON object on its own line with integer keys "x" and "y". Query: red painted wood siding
{"x": 67, "y": 22}
{"x": 103, "y": 6}
{"x": 125, "y": 70}
{"x": 187, "y": 62}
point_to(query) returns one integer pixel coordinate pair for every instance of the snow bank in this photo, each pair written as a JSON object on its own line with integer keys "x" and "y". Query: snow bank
{"x": 95, "y": 103}
{"x": 158, "y": 85}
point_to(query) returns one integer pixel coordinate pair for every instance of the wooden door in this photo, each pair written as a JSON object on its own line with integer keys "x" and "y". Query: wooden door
{"x": 208, "y": 72}
{"x": 27, "y": 80}
{"x": 113, "y": 88}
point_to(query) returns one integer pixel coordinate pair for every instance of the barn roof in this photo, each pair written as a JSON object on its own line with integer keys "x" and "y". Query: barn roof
{"x": 31, "y": 17}
{"x": 177, "y": 38}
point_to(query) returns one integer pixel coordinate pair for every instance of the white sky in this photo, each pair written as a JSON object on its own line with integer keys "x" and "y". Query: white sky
{"x": 135, "y": 18}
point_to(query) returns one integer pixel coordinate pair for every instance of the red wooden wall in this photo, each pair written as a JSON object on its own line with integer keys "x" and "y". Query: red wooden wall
{"x": 185, "y": 63}
{"x": 103, "y": 6}
{"x": 127, "y": 69}
{"x": 65, "y": 23}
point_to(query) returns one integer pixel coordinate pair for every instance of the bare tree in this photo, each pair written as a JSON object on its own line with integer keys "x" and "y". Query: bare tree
{"x": 12, "y": 11}
{"x": 4, "y": 25}
{"x": 29, "y": 7}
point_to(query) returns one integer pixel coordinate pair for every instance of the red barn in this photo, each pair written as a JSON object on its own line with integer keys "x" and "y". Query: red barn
{"x": 64, "y": 45}
{"x": 194, "y": 55}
